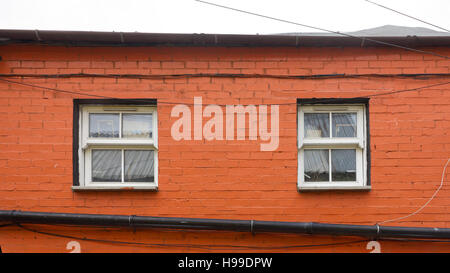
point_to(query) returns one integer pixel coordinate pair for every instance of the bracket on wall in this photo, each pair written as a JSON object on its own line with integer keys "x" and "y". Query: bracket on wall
{"x": 363, "y": 40}
{"x": 36, "y": 33}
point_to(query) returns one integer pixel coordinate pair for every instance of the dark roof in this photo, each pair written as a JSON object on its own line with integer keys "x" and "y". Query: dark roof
{"x": 91, "y": 38}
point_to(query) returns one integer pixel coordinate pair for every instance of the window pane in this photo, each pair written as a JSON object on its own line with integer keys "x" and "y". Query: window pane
{"x": 103, "y": 125}
{"x": 343, "y": 164}
{"x": 317, "y": 125}
{"x": 316, "y": 165}
{"x": 137, "y": 125}
{"x": 106, "y": 165}
{"x": 344, "y": 124}
{"x": 139, "y": 166}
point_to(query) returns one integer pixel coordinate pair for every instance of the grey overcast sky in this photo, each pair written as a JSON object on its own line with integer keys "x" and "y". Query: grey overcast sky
{"x": 190, "y": 16}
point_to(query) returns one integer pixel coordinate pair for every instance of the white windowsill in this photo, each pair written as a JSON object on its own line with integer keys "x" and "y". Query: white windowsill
{"x": 116, "y": 188}
{"x": 334, "y": 188}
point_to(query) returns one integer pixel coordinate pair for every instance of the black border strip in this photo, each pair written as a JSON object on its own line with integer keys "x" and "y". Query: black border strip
{"x": 76, "y": 130}
{"x": 75, "y": 144}
{"x": 365, "y": 101}
{"x": 333, "y": 101}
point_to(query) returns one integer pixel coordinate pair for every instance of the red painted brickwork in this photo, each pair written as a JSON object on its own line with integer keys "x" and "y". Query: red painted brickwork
{"x": 409, "y": 134}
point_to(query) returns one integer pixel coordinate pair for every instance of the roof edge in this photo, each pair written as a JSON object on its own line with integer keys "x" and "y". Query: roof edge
{"x": 97, "y": 38}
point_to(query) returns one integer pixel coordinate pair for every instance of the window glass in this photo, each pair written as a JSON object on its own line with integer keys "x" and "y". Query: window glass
{"x": 139, "y": 166}
{"x": 137, "y": 125}
{"x": 343, "y": 164}
{"x": 316, "y": 165}
{"x": 106, "y": 165}
{"x": 317, "y": 125}
{"x": 344, "y": 124}
{"x": 103, "y": 125}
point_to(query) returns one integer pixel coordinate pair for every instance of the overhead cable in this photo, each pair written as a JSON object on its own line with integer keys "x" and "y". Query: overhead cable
{"x": 326, "y": 30}
{"x": 226, "y": 75}
{"x": 200, "y": 246}
{"x": 409, "y": 16}
{"x": 167, "y": 102}
{"x": 429, "y": 200}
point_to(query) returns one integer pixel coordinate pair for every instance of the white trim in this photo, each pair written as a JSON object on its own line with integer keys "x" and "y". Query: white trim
{"x": 115, "y": 188}
{"x": 122, "y": 156}
{"x": 87, "y": 144}
{"x": 116, "y": 142}
{"x": 318, "y": 188}
{"x": 349, "y": 142}
{"x": 357, "y": 143}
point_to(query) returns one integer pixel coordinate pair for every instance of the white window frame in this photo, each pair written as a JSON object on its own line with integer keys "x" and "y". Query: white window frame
{"x": 87, "y": 144}
{"x": 359, "y": 143}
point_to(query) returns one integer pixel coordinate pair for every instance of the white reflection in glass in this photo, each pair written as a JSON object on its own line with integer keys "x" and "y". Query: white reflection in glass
{"x": 103, "y": 125}
{"x": 137, "y": 125}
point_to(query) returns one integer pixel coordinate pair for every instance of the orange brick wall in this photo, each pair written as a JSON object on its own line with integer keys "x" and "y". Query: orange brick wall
{"x": 409, "y": 135}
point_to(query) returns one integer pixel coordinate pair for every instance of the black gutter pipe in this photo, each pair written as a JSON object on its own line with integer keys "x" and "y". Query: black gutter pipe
{"x": 133, "y": 221}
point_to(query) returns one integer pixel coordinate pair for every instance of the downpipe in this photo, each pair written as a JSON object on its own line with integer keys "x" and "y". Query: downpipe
{"x": 253, "y": 226}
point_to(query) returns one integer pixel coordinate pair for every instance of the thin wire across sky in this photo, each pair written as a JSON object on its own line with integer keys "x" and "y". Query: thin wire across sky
{"x": 325, "y": 30}
{"x": 409, "y": 16}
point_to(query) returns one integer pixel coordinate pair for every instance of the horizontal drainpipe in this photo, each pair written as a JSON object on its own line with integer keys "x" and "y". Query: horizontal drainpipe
{"x": 369, "y": 231}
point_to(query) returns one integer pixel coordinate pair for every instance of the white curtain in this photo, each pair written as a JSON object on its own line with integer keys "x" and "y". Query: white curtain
{"x": 139, "y": 166}
{"x": 106, "y": 165}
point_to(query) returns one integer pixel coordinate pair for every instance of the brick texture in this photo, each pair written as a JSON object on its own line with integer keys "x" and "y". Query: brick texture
{"x": 409, "y": 135}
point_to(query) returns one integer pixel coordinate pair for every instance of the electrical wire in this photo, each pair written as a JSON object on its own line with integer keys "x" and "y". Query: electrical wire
{"x": 422, "y": 207}
{"x": 414, "y": 240}
{"x": 409, "y": 16}
{"x": 200, "y": 246}
{"x": 326, "y": 30}
{"x": 227, "y": 75}
{"x": 184, "y": 103}
{"x": 218, "y": 246}
{"x": 406, "y": 90}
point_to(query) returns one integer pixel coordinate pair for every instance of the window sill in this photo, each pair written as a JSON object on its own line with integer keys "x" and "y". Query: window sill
{"x": 331, "y": 188}
{"x": 118, "y": 188}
